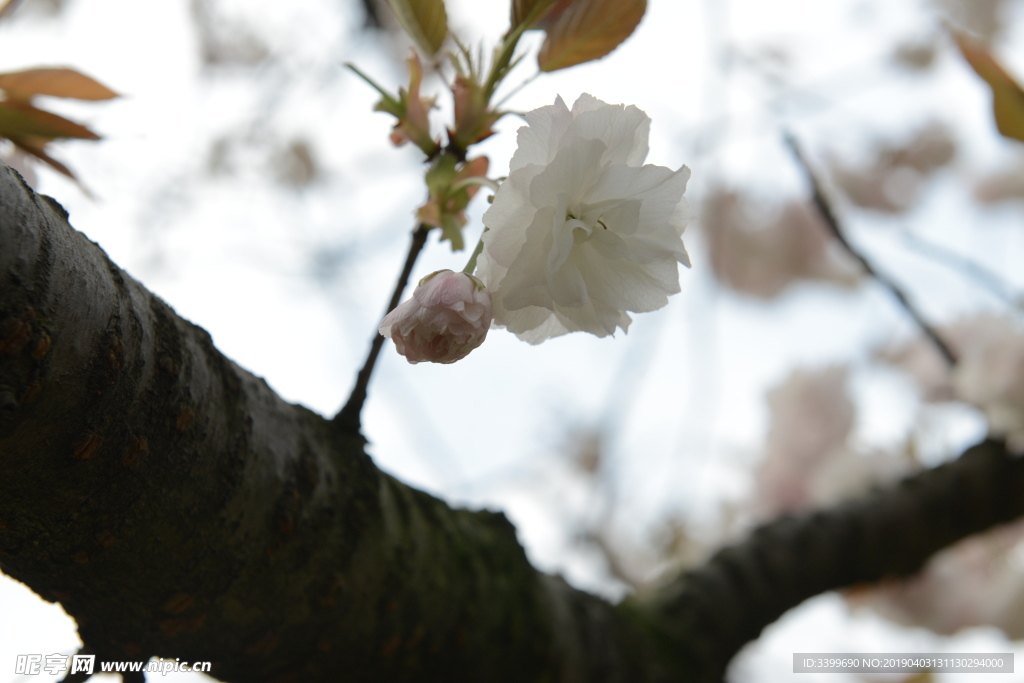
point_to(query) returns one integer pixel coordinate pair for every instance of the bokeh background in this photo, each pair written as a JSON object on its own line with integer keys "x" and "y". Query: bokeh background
{"x": 244, "y": 178}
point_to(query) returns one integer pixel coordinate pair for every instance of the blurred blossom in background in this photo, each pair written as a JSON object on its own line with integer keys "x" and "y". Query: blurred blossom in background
{"x": 245, "y": 178}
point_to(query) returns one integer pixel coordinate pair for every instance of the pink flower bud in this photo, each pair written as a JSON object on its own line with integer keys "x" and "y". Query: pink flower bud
{"x": 447, "y": 317}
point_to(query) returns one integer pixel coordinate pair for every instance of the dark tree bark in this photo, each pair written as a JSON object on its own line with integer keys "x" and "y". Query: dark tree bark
{"x": 176, "y": 507}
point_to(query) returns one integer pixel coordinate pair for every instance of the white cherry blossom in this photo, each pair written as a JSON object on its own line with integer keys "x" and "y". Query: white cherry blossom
{"x": 581, "y": 231}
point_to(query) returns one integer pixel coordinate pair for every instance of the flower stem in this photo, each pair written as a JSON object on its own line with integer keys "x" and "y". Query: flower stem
{"x": 471, "y": 265}
{"x": 373, "y": 84}
{"x": 348, "y": 418}
{"x": 475, "y": 180}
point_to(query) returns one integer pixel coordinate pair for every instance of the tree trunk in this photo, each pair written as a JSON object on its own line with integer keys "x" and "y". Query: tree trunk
{"x": 176, "y": 507}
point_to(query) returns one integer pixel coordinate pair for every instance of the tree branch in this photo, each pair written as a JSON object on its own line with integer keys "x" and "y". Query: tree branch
{"x": 825, "y": 209}
{"x": 967, "y": 267}
{"x": 176, "y": 507}
{"x": 891, "y": 533}
{"x": 349, "y": 417}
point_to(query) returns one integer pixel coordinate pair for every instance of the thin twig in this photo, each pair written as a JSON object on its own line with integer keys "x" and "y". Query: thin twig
{"x": 825, "y": 208}
{"x": 970, "y": 269}
{"x": 516, "y": 89}
{"x": 348, "y": 418}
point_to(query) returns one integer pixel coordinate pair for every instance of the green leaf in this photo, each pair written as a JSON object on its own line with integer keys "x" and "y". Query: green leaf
{"x": 56, "y": 82}
{"x": 388, "y": 103}
{"x": 426, "y": 22}
{"x": 1007, "y": 96}
{"x": 440, "y": 175}
{"x": 585, "y": 30}
{"x": 451, "y": 230}
{"x": 451, "y": 189}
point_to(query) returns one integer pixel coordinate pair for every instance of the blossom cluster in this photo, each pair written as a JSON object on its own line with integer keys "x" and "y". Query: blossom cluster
{"x": 579, "y": 234}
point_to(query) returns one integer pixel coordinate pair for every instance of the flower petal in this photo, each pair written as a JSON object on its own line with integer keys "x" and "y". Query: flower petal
{"x": 538, "y": 141}
{"x": 624, "y": 130}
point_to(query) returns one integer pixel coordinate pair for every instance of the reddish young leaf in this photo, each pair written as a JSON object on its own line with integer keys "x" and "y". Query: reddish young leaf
{"x": 586, "y": 30}
{"x": 36, "y": 147}
{"x": 18, "y": 119}
{"x": 56, "y": 82}
{"x": 8, "y": 6}
{"x": 1007, "y": 96}
{"x": 413, "y": 116}
{"x": 426, "y": 22}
